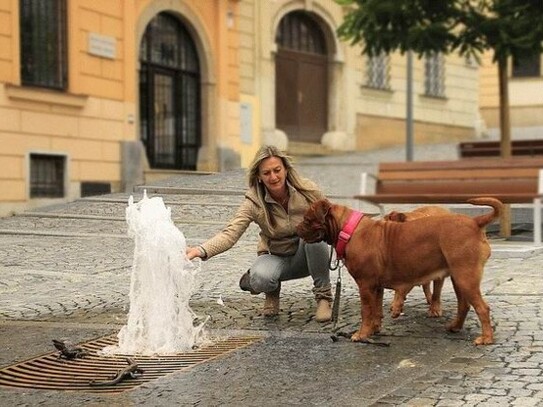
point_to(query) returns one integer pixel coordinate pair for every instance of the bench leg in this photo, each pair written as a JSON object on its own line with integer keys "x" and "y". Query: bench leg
{"x": 505, "y": 221}
{"x": 537, "y": 221}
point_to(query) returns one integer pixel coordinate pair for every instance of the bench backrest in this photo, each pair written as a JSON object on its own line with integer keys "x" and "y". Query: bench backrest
{"x": 469, "y": 149}
{"x": 474, "y": 176}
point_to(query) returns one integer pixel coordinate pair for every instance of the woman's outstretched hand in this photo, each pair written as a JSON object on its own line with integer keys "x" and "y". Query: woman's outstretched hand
{"x": 193, "y": 252}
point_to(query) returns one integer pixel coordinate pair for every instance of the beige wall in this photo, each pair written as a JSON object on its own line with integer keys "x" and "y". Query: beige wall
{"x": 525, "y": 99}
{"x": 450, "y": 118}
{"x": 379, "y": 131}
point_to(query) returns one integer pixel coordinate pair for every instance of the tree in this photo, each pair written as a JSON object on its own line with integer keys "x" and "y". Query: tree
{"x": 507, "y": 28}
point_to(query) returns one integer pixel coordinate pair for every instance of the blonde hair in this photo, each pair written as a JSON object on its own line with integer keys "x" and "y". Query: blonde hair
{"x": 302, "y": 185}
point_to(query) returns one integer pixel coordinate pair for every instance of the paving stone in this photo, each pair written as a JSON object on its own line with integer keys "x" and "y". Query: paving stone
{"x": 71, "y": 263}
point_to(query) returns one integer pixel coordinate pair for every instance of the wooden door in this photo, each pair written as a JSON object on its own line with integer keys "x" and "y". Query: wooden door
{"x": 301, "y": 78}
{"x": 301, "y": 95}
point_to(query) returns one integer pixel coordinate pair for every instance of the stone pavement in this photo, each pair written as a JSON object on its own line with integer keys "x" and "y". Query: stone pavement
{"x": 65, "y": 272}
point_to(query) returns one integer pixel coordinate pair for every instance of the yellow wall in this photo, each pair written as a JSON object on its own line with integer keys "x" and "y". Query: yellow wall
{"x": 7, "y": 40}
{"x": 99, "y": 111}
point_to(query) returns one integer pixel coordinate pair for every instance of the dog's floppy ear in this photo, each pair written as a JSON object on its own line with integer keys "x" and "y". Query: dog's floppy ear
{"x": 322, "y": 207}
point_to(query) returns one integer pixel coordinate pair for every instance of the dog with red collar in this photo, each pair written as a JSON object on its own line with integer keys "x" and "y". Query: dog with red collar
{"x": 381, "y": 254}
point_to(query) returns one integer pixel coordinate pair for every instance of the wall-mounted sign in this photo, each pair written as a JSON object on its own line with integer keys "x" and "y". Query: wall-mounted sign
{"x": 102, "y": 45}
{"x": 246, "y": 123}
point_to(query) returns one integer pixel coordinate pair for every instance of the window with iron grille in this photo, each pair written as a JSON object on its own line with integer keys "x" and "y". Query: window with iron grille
{"x": 527, "y": 67}
{"x": 298, "y": 31}
{"x": 43, "y": 43}
{"x": 378, "y": 72}
{"x": 434, "y": 75}
{"x": 46, "y": 176}
{"x": 170, "y": 94}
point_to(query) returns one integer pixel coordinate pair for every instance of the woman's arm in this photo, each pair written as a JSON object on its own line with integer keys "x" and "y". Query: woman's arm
{"x": 226, "y": 238}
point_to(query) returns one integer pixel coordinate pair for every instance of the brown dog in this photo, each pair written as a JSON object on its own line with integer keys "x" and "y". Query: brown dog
{"x": 432, "y": 298}
{"x": 393, "y": 255}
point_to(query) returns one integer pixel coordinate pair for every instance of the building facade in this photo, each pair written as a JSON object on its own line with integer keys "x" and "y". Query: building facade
{"x": 317, "y": 89}
{"x": 525, "y": 87}
{"x": 99, "y": 96}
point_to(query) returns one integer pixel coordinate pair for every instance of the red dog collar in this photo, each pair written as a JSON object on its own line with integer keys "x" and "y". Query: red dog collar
{"x": 346, "y": 233}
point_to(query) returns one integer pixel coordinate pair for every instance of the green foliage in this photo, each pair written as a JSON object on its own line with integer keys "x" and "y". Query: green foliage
{"x": 508, "y": 27}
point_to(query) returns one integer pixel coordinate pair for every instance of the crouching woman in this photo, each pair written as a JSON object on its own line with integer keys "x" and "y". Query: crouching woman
{"x": 276, "y": 201}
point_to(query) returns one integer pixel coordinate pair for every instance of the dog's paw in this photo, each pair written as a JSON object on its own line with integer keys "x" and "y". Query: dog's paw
{"x": 435, "y": 311}
{"x": 359, "y": 337}
{"x": 483, "y": 340}
{"x": 395, "y": 311}
{"x": 454, "y": 326}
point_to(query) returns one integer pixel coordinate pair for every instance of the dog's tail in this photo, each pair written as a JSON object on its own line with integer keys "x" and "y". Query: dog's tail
{"x": 483, "y": 220}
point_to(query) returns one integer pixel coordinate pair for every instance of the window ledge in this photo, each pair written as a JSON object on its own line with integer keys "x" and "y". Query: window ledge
{"x": 434, "y": 97}
{"x": 376, "y": 89}
{"x": 45, "y": 96}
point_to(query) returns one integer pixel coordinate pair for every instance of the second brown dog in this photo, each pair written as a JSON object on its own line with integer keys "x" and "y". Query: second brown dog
{"x": 433, "y": 297}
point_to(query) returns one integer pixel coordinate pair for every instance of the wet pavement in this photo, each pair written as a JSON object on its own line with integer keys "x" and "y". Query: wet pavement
{"x": 66, "y": 273}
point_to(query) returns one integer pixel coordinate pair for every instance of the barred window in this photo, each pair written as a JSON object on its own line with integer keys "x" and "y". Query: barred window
{"x": 43, "y": 43}
{"x": 528, "y": 66}
{"x": 434, "y": 75}
{"x": 378, "y": 72}
{"x": 298, "y": 31}
{"x": 46, "y": 176}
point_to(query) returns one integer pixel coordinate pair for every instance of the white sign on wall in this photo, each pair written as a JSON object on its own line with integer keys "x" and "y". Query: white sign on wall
{"x": 102, "y": 45}
{"x": 246, "y": 123}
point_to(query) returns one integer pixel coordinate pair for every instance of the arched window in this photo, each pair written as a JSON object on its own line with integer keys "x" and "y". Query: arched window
{"x": 298, "y": 32}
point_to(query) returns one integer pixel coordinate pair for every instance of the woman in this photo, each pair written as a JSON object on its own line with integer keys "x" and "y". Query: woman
{"x": 276, "y": 201}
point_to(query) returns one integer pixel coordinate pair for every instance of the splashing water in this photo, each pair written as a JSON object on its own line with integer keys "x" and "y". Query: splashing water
{"x": 160, "y": 320}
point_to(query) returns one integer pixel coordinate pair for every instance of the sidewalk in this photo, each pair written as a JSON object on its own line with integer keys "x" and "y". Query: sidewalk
{"x": 66, "y": 271}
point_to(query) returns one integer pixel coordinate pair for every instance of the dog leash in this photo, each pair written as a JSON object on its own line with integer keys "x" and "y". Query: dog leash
{"x": 337, "y": 296}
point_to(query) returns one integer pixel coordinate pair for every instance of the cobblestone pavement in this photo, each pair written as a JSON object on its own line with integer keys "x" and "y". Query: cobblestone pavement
{"x": 66, "y": 269}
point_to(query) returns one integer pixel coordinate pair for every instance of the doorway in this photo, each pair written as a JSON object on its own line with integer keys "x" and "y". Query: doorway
{"x": 301, "y": 80}
{"x": 169, "y": 84}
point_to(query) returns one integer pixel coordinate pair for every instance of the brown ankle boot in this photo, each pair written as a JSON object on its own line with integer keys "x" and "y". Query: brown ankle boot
{"x": 323, "y": 296}
{"x": 324, "y": 311}
{"x": 271, "y": 304}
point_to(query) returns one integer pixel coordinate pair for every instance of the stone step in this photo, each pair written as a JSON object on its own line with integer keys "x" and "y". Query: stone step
{"x": 300, "y": 148}
{"x": 153, "y": 175}
{"x": 70, "y": 225}
{"x": 183, "y": 212}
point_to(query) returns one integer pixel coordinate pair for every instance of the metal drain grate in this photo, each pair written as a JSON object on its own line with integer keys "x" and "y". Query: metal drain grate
{"x": 48, "y": 372}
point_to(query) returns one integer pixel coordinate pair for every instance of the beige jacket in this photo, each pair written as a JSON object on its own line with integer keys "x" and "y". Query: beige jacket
{"x": 280, "y": 239}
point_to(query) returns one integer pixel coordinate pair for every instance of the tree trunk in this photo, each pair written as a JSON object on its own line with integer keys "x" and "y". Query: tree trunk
{"x": 505, "y": 137}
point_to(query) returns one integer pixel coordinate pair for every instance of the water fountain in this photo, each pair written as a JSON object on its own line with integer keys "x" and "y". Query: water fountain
{"x": 160, "y": 320}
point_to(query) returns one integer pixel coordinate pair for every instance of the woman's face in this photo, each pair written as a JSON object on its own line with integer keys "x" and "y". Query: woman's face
{"x": 273, "y": 174}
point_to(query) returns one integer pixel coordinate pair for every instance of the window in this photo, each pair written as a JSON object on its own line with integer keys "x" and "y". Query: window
{"x": 297, "y": 31}
{"x": 528, "y": 66}
{"x": 43, "y": 43}
{"x": 434, "y": 74}
{"x": 46, "y": 176}
{"x": 378, "y": 73}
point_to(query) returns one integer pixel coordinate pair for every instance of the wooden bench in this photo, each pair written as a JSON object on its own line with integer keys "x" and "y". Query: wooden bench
{"x": 516, "y": 180}
{"x": 470, "y": 149}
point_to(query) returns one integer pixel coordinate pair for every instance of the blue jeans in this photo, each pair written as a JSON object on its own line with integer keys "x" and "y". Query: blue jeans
{"x": 311, "y": 259}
